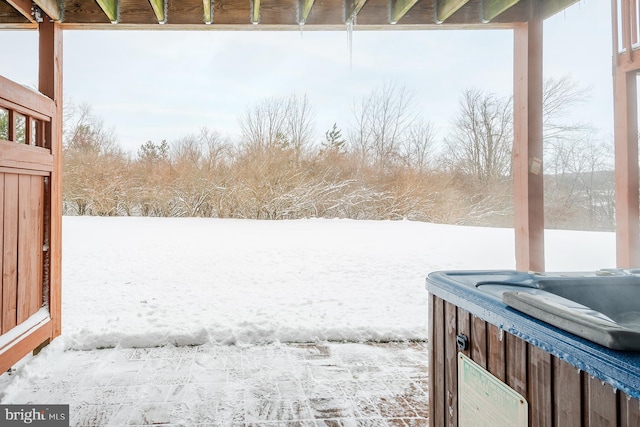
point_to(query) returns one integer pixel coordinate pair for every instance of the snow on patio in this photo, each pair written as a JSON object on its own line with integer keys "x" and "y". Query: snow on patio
{"x": 265, "y": 286}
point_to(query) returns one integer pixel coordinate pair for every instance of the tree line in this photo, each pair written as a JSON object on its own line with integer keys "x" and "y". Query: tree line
{"x": 386, "y": 162}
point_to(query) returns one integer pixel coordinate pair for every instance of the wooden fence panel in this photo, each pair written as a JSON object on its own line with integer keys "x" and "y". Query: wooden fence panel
{"x": 10, "y": 253}
{"x": 30, "y": 225}
{"x": 37, "y": 217}
{"x": 22, "y": 260}
{"x": 26, "y": 218}
{"x": 25, "y": 280}
{"x": 1, "y": 243}
{"x": 25, "y": 158}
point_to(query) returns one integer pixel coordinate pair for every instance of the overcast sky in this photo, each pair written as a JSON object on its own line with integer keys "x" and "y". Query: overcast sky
{"x": 163, "y": 85}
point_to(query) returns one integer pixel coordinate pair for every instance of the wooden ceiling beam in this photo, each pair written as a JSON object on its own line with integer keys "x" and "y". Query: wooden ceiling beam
{"x": 50, "y": 7}
{"x": 255, "y": 12}
{"x": 24, "y": 7}
{"x": 493, "y": 8}
{"x": 353, "y": 8}
{"x": 208, "y": 11}
{"x": 446, "y": 8}
{"x": 314, "y": 13}
{"x": 158, "y": 9}
{"x": 304, "y": 8}
{"x": 399, "y": 8}
{"x": 551, "y": 7}
{"x": 110, "y": 8}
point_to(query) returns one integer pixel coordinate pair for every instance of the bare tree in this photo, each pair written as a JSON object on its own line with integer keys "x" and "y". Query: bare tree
{"x": 200, "y": 174}
{"x": 558, "y": 97}
{"x": 84, "y": 131}
{"x": 579, "y": 188}
{"x": 282, "y": 123}
{"x": 264, "y": 125}
{"x": 579, "y": 184}
{"x": 416, "y": 149}
{"x": 96, "y": 170}
{"x": 382, "y": 120}
{"x": 217, "y": 149}
{"x": 480, "y": 143}
{"x": 152, "y": 175}
{"x": 299, "y": 121}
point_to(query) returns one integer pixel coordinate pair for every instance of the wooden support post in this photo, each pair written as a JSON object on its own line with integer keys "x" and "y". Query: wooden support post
{"x": 625, "y": 109}
{"x": 626, "y": 162}
{"x": 50, "y": 84}
{"x": 527, "y": 146}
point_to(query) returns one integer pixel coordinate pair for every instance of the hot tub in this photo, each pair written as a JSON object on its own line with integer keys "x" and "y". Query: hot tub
{"x": 566, "y": 343}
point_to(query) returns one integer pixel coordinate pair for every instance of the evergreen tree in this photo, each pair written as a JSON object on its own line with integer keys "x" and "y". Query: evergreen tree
{"x": 334, "y": 142}
{"x": 152, "y": 153}
{"x": 4, "y": 125}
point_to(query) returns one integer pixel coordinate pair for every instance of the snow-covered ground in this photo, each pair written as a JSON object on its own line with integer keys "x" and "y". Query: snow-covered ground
{"x": 165, "y": 283}
{"x": 140, "y": 282}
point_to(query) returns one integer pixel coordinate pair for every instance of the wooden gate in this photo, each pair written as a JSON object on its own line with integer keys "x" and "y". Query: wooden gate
{"x": 26, "y": 167}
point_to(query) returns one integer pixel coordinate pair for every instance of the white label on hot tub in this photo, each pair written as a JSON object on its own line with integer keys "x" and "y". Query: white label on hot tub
{"x": 485, "y": 401}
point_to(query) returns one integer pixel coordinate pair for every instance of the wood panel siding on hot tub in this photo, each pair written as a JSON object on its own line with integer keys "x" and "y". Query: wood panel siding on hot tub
{"x": 567, "y": 380}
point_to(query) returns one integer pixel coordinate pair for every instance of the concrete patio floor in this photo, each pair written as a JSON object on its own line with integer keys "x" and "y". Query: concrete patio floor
{"x": 337, "y": 384}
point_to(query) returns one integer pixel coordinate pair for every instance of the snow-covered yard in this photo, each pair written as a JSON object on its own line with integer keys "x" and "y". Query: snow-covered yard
{"x": 138, "y": 282}
{"x": 131, "y": 283}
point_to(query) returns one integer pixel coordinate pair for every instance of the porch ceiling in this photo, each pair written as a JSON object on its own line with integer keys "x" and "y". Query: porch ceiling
{"x": 274, "y": 14}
